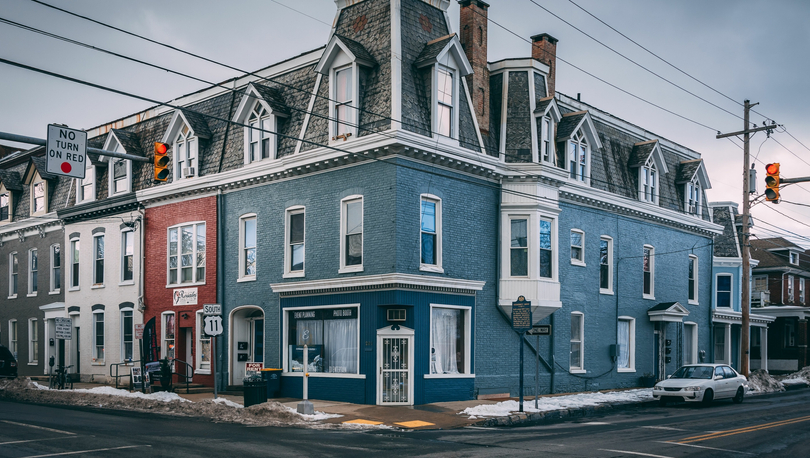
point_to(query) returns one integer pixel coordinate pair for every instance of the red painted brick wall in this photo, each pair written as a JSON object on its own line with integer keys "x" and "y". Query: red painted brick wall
{"x": 157, "y": 296}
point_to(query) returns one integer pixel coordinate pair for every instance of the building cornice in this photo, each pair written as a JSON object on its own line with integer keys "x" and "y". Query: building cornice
{"x": 378, "y": 282}
{"x": 735, "y": 317}
{"x": 97, "y": 208}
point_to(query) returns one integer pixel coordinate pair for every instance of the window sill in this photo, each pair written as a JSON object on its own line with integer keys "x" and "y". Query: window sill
{"x": 431, "y": 268}
{"x": 245, "y": 279}
{"x": 574, "y": 262}
{"x": 294, "y": 275}
{"x": 626, "y": 370}
{"x": 608, "y": 292}
{"x": 451, "y": 376}
{"x": 692, "y": 302}
{"x": 56, "y": 291}
{"x": 184, "y": 285}
{"x": 97, "y": 287}
{"x": 33, "y": 363}
{"x": 126, "y": 283}
{"x": 201, "y": 372}
{"x": 74, "y": 288}
{"x": 98, "y": 363}
{"x": 647, "y": 296}
{"x": 324, "y": 375}
{"x": 31, "y": 295}
{"x": 13, "y": 297}
{"x": 347, "y": 270}
{"x": 577, "y": 371}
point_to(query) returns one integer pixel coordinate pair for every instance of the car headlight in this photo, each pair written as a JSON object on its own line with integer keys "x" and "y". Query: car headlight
{"x": 692, "y": 388}
{"x": 658, "y": 387}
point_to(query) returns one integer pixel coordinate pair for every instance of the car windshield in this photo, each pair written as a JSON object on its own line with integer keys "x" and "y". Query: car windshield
{"x": 702, "y": 372}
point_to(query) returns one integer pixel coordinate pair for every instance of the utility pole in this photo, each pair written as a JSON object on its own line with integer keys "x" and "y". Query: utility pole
{"x": 745, "y": 248}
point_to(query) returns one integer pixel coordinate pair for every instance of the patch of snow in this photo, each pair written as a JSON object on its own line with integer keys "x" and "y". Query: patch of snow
{"x": 227, "y": 402}
{"x": 546, "y": 404}
{"x": 162, "y": 396}
{"x": 794, "y": 381}
{"x": 38, "y": 386}
{"x": 316, "y": 416}
{"x": 760, "y": 381}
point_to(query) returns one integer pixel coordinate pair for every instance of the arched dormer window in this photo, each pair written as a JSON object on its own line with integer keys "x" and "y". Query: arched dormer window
{"x": 185, "y": 154}
{"x": 259, "y": 136}
{"x": 185, "y": 131}
{"x": 260, "y": 111}
{"x": 547, "y": 115}
{"x": 648, "y": 182}
{"x": 693, "y": 197}
{"x": 692, "y": 175}
{"x": 579, "y": 157}
{"x": 576, "y": 141}
{"x": 648, "y": 158}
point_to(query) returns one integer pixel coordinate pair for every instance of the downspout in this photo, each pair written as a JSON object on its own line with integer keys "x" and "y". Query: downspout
{"x": 711, "y": 306}
{"x": 220, "y": 281}
{"x": 141, "y": 302}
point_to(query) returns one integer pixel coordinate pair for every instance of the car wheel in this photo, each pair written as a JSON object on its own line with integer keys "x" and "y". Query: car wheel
{"x": 738, "y": 398}
{"x": 663, "y": 401}
{"x": 708, "y": 397}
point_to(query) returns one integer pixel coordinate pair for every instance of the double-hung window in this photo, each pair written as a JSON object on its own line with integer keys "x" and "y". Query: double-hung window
{"x": 547, "y": 140}
{"x": 247, "y": 250}
{"x": 649, "y": 183}
{"x": 74, "y": 264}
{"x": 127, "y": 256}
{"x": 296, "y": 220}
{"x": 351, "y": 240}
{"x": 13, "y": 273}
{"x": 794, "y": 258}
{"x": 648, "y": 257}
{"x": 693, "y": 279}
{"x": 5, "y": 205}
{"x": 449, "y": 340}
{"x": 546, "y": 249}
{"x": 12, "y": 337}
{"x": 790, "y": 288}
{"x": 186, "y": 260}
{"x": 605, "y": 264}
{"x": 577, "y": 247}
{"x": 98, "y": 336}
{"x": 120, "y": 170}
{"x": 127, "y": 329}
{"x": 87, "y": 185}
{"x": 260, "y": 134}
{"x": 98, "y": 260}
{"x": 33, "y": 270}
{"x": 56, "y": 268}
{"x": 577, "y": 339}
{"x": 167, "y": 335}
{"x": 626, "y": 357}
{"x": 430, "y": 233}
{"x": 185, "y": 154}
{"x": 203, "y": 353}
{"x": 578, "y": 156}
{"x": 801, "y": 291}
{"x": 693, "y": 194}
{"x": 724, "y": 290}
{"x": 519, "y": 248}
{"x": 445, "y": 88}
{"x": 690, "y": 342}
{"x": 33, "y": 341}
{"x": 344, "y": 100}
{"x": 38, "y": 197}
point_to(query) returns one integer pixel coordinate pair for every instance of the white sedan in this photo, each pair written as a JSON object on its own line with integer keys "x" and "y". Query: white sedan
{"x": 702, "y": 383}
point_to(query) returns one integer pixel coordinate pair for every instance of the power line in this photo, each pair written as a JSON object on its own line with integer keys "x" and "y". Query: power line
{"x": 301, "y": 12}
{"x": 787, "y": 216}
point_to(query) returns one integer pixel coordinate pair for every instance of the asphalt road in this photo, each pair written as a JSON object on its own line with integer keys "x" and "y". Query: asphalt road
{"x": 773, "y": 425}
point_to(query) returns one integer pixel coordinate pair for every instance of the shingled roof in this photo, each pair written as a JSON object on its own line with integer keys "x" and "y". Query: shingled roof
{"x": 725, "y": 244}
{"x": 273, "y": 98}
{"x": 129, "y": 141}
{"x": 568, "y": 124}
{"x": 197, "y": 123}
{"x": 770, "y": 253}
{"x": 41, "y": 164}
{"x": 687, "y": 170}
{"x": 11, "y": 180}
{"x": 433, "y": 48}
{"x": 359, "y": 51}
{"x": 641, "y": 153}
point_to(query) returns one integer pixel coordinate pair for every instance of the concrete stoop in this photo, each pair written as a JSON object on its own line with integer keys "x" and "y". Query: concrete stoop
{"x": 538, "y": 418}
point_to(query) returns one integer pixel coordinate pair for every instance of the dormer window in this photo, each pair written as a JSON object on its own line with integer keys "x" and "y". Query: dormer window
{"x": 5, "y": 204}
{"x": 648, "y": 183}
{"x": 38, "y": 192}
{"x": 445, "y": 99}
{"x": 86, "y": 191}
{"x": 185, "y": 132}
{"x": 259, "y": 134}
{"x": 648, "y": 158}
{"x": 119, "y": 170}
{"x": 693, "y": 193}
{"x": 794, "y": 258}
{"x": 259, "y": 111}
{"x": 343, "y": 113}
{"x": 185, "y": 154}
{"x": 547, "y": 139}
{"x": 579, "y": 157}
{"x": 546, "y": 116}
{"x": 120, "y": 175}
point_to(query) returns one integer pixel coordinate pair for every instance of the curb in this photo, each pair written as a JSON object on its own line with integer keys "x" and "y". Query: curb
{"x": 556, "y": 416}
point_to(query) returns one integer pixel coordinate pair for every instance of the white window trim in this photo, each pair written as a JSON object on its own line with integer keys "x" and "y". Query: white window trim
{"x": 198, "y": 346}
{"x": 242, "y": 260}
{"x": 554, "y": 248}
{"x": 651, "y": 295}
{"x": 609, "y": 240}
{"x": 30, "y": 269}
{"x": 93, "y": 348}
{"x": 695, "y": 341}
{"x": 196, "y": 281}
{"x": 32, "y": 323}
{"x": 111, "y": 177}
{"x": 529, "y": 245}
{"x": 696, "y": 288}
{"x": 9, "y": 194}
{"x": 578, "y": 369}
{"x": 163, "y": 348}
{"x": 801, "y": 290}
{"x": 790, "y": 258}
{"x": 15, "y": 348}
{"x": 449, "y": 66}
{"x": 70, "y": 266}
{"x": 632, "y": 339}
{"x": 273, "y": 143}
{"x": 193, "y": 153}
{"x": 343, "y": 203}
{"x": 89, "y": 176}
{"x": 104, "y": 259}
{"x": 288, "y": 213}
{"x": 655, "y": 190}
{"x": 351, "y": 125}
{"x": 52, "y": 271}
{"x": 122, "y": 345}
{"x": 581, "y": 260}
{"x": 586, "y": 179}
{"x": 791, "y": 288}
{"x": 467, "y": 341}
{"x": 121, "y": 280}
{"x": 438, "y": 266}
{"x": 689, "y": 188}
{"x": 730, "y": 292}
{"x": 286, "y": 346}
{"x": 533, "y": 242}
{"x": 11, "y": 274}
{"x": 36, "y": 180}
{"x": 547, "y": 138}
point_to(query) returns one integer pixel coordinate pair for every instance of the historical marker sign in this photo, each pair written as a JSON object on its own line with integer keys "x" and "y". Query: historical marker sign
{"x": 67, "y": 151}
{"x": 521, "y": 315}
{"x": 64, "y": 328}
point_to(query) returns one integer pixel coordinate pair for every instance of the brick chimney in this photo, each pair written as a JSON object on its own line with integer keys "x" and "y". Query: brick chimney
{"x": 473, "y": 27}
{"x": 544, "y": 49}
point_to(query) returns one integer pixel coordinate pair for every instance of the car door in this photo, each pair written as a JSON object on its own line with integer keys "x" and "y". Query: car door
{"x": 720, "y": 383}
{"x": 731, "y": 380}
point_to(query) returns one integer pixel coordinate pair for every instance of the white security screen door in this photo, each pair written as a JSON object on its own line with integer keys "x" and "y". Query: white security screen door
{"x": 395, "y": 367}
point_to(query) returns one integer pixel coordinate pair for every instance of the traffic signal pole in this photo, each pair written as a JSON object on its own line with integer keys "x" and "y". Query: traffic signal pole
{"x": 745, "y": 300}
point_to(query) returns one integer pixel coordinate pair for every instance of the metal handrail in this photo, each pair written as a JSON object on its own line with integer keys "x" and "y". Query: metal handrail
{"x": 186, "y": 376}
{"x": 117, "y": 375}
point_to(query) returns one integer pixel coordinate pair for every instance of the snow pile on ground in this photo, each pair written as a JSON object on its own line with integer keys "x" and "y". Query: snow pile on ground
{"x": 760, "y": 381}
{"x": 316, "y": 416}
{"x": 546, "y": 404}
{"x": 22, "y": 389}
{"x": 800, "y": 378}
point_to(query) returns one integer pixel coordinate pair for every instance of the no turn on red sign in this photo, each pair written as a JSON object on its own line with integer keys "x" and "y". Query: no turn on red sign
{"x": 67, "y": 151}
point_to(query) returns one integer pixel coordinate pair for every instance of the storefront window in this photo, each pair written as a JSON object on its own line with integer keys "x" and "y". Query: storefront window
{"x": 447, "y": 334}
{"x": 332, "y": 339}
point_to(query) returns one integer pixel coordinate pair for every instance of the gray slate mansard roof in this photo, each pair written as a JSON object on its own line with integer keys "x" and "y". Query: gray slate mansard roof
{"x": 725, "y": 244}
{"x": 641, "y": 153}
{"x": 568, "y": 124}
{"x": 273, "y": 98}
{"x": 686, "y": 170}
{"x": 433, "y": 48}
{"x": 129, "y": 141}
{"x": 11, "y": 180}
{"x": 359, "y": 51}
{"x": 197, "y": 123}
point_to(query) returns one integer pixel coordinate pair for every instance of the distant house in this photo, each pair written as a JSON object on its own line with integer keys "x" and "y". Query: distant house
{"x": 779, "y": 290}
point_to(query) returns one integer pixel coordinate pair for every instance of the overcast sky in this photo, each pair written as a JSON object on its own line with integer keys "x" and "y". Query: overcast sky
{"x": 744, "y": 49}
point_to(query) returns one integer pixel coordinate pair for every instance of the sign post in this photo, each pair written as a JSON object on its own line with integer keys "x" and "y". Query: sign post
{"x": 67, "y": 151}
{"x": 305, "y": 407}
{"x": 521, "y": 322}
{"x": 539, "y": 330}
{"x": 213, "y": 328}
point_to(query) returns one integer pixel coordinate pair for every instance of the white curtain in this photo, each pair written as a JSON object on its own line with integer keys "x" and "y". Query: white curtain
{"x": 688, "y": 349}
{"x": 340, "y": 346}
{"x": 444, "y": 335}
{"x": 310, "y": 332}
{"x": 624, "y": 342}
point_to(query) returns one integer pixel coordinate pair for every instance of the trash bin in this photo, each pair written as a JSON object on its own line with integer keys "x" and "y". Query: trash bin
{"x": 255, "y": 391}
{"x": 273, "y": 379}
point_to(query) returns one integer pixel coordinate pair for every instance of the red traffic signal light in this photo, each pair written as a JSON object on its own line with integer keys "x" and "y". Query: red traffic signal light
{"x": 162, "y": 171}
{"x": 772, "y": 182}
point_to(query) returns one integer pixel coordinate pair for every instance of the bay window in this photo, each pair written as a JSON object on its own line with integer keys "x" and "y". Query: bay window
{"x": 519, "y": 248}
{"x": 546, "y": 249}
{"x": 332, "y": 336}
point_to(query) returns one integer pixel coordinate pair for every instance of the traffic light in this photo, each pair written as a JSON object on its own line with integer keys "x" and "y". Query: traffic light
{"x": 162, "y": 171}
{"x": 772, "y": 182}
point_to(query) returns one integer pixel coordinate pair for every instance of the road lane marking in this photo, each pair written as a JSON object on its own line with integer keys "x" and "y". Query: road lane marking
{"x": 414, "y": 424}
{"x": 634, "y": 453}
{"x": 747, "y": 429}
{"x": 708, "y": 448}
{"x": 86, "y": 451}
{"x": 595, "y": 423}
{"x": 40, "y": 440}
{"x": 360, "y": 421}
{"x": 38, "y": 427}
{"x": 666, "y": 428}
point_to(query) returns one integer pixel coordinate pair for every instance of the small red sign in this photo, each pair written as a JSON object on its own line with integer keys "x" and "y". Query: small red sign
{"x": 139, "y": 331}
{"x": 254, "y": 367}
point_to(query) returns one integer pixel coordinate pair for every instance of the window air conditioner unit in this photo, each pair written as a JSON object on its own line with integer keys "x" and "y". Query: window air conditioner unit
{"x": 188, "y": 172}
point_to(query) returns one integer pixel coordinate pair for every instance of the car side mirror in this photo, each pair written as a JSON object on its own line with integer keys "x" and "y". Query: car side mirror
{"x": 669, "y": 376}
